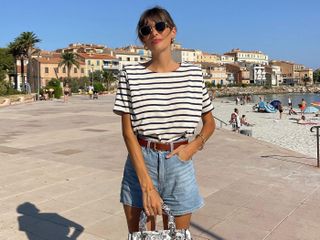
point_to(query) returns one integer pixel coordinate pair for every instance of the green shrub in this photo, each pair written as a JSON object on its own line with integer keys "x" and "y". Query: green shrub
{"x": 55, "y": 84}
{"x": 98, "y": 87}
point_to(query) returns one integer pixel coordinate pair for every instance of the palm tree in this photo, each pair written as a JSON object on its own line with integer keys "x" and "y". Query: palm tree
{"x": 29, "y": 40}
{"x": 108, "y": 77}
{"x": 69, "y": 60}
{"x": 22, "y": 48}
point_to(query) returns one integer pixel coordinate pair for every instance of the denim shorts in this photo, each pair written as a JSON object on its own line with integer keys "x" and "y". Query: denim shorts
{"x": 173, "y": 178}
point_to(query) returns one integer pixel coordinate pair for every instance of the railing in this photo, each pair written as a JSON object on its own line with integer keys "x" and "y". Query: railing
{"x": 317, "y": 129}
{"x": 221, "y": 122}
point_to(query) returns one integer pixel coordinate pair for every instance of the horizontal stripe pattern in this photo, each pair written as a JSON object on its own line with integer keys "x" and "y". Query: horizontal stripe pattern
{"x": 165, "y": 107}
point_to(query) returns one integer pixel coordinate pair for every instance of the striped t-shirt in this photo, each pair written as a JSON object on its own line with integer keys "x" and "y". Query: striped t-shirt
{"x": 166, "y": 106}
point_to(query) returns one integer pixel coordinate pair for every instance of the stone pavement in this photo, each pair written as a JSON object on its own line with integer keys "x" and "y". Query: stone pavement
{"x": 61, "y": 167}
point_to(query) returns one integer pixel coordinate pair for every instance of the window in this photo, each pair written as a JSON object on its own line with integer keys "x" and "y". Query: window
{"x": 64, "y": 70}
{"x": 98, "y": 63}
{"x": 56, "y": 70}
{"x": 46, "y": 70}
{"x": 75, "y": 70}
{"x": 136, "y": 59}
{"x": 128, "y": 59}
{"x": 82, "y": 70}
{"x": 89, "y": 62}
{"x": 120, "y": 58}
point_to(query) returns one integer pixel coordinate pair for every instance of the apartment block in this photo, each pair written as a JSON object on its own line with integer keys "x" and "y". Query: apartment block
{"x": 214, "y": 73}
{"x": 240, "y": 74}
{"x": 98, "y": 62}
{"x": 248, "y": 56}
{"x": 184, "y": 55}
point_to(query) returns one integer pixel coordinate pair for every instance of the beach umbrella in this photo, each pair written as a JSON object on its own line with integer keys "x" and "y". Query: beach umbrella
{"x": 275, "y": 103}
{"x": 311, "y": 109}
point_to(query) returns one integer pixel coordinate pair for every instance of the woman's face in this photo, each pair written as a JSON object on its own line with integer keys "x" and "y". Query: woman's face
{"x": 157, "y": 41}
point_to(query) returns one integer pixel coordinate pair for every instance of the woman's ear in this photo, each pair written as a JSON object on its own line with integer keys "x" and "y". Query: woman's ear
{"x": 173, "y": 33}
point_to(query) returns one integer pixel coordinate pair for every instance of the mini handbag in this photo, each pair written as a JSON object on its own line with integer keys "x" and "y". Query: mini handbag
{"x": 171, "y": 234}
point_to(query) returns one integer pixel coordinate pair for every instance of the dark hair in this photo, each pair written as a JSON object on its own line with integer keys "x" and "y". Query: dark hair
{"x": 155, "y": 14}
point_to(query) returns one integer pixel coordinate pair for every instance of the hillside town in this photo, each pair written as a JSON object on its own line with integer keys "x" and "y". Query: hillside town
{"x": 236, "y": 67}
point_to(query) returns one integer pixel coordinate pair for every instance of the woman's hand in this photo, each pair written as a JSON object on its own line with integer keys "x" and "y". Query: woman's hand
{"x": 152, "y": 203}
{"x": 184, "y": 152}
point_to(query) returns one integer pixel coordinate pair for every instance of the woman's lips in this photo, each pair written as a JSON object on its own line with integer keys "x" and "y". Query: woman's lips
{"x": 156, "y": 41}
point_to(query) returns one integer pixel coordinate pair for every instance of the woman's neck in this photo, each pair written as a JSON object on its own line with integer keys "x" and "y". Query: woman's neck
{"x": 162, "y": 63}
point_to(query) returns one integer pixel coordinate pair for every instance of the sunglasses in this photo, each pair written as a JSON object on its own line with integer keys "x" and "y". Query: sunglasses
{"x": 159, "y": 26}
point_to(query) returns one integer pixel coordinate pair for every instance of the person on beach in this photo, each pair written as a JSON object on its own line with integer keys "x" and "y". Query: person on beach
{"x": 292, "y": 111}
{"x": 244, "y": 122}
{"x": 280, "y": 108}
{"x": 161, "y": 103}
{"x": 302, "y": 105}
{"x": 66, "y": 93}
{"x": 289, "y": 102}
{"x": 235, "y": 121}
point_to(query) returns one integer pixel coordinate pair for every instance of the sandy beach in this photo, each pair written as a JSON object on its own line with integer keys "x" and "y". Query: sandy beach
{"x": 285, "y": 132}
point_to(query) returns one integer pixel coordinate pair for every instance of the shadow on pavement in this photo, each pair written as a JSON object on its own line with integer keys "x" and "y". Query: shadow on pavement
{"x": 212, "y": 235}
{"x": 38, "y": 226}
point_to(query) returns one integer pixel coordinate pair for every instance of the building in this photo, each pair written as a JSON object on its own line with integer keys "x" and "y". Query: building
{"x": 287, "y": 71}
{"x": 214, "y": 73}
{"x": 46, "y": 68}
{"x": 145, "y": 54}
{"x": 83, "y": 48}
{"x": 184, "y": 55}
{"x": 126, "y": 57}
{"x": 226, "y": 59}
{"x": 276, "y": 76}
{"x": 98, "y": 62}
{"x": 208, "y": 57}
{"x": 239, "y": 74}
{"x": 248, "y": 56}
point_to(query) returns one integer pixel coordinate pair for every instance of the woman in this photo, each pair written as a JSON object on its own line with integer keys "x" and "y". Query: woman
{"x": 161, "y": 103}
{"x": 66, "y": 93}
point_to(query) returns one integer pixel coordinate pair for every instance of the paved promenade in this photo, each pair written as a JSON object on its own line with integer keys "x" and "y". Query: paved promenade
{"x": 61, "y": 167}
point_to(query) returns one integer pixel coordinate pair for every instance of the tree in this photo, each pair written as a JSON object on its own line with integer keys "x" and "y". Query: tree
{"x": 6, "y": 63}
{"x": 109, "y": 78}
{"x": 316, "y": 75}
{"x": 22, "y": 48}
{"x": 306, "y": 79}
{"x": 69, "y": 60}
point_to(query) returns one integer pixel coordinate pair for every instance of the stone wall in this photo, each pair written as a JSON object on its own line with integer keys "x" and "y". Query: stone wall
{"x": 256, "y": 90}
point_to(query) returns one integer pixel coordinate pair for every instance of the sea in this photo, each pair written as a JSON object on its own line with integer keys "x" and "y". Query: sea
{"x": 295, "y": 98}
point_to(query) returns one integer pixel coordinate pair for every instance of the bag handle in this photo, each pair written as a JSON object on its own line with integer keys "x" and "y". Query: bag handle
{"x": 171, "y": 221}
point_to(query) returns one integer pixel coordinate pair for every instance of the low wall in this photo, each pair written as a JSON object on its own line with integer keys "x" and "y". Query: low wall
{"x": 235, "y": 91}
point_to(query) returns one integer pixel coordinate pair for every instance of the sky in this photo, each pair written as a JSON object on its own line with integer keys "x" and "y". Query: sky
{"x": 282, "y": 29}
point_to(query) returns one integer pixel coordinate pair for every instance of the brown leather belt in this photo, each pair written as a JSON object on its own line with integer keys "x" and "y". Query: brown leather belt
{"x": 161, "y": 146}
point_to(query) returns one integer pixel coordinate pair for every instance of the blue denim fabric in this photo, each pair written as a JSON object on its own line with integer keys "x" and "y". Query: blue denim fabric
{"x": 173, "y": 178}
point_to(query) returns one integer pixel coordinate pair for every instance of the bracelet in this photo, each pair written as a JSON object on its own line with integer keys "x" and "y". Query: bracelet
{"x": 203, "y": 140}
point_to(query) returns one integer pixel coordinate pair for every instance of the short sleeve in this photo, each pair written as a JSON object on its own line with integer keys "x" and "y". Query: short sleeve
{"x": 206, "y": 101}
{"x": 123, "y": 97}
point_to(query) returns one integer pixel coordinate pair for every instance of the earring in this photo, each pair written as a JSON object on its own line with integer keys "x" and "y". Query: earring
{"x": 145, "y": 47}
{"x": 172, "y": 40}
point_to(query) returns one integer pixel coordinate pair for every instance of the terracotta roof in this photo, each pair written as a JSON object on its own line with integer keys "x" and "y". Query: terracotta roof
{"x": 125, "y": 52}
{"x": 95, "y": 56}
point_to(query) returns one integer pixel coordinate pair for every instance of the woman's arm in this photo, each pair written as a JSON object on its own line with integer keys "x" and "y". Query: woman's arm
{"x": 185, "y": 152}
{"x": 151, "y": 199}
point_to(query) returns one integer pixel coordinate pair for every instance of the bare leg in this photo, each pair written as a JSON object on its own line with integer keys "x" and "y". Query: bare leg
{"x": 182, "y": 222}
{"x": 133, "y": 215}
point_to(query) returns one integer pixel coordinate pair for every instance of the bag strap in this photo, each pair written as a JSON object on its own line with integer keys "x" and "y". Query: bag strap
{"x": 167, "y": 211}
